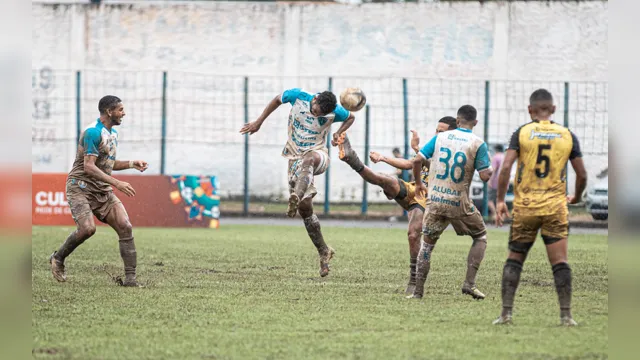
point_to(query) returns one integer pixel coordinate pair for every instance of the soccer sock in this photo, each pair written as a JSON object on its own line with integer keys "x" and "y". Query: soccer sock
{"x": 476, "y": 254}
{"x": 412, "y": 273}
{"x": 129, "y": 257}
{"x": 304, "y": 179}
{"x": 69, "y": 245}
{"x": 312, "y": 224}
{"x": 562, "y": 278}
{"x": 423, "y": 266}
{"x": 510, "y": 280}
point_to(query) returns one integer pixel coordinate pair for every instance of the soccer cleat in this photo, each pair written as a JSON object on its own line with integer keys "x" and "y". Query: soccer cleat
{"x": 567, "y": 321}
{"x": 324, "y": 261}
{"x": 57, "y": 268}
{"x": 343, "y": 147}
{"x": 411, "y": 288}
{"x": 503, "y": 320}
{"x": 293, "y": 205}
{"x": 473, "y": 291}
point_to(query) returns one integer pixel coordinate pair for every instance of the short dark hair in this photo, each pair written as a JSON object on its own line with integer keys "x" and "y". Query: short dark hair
{"x": 468, "y": 112}
{"x": 449, "y": 120}
{"x": 327, "y": 102}
{"x": 107, "y": 103}
{"x": 396, "y": 150}
{"x": 499, "y": 148}
{"x": 540, "y": 96}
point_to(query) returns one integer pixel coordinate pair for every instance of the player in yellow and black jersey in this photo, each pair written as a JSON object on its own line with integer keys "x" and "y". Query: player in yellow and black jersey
{"x": 397, "y": 189}
{"x": 542, "y": 149}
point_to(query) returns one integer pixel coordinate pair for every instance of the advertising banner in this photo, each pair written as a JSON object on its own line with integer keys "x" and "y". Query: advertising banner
{"x": 160, "y": 201}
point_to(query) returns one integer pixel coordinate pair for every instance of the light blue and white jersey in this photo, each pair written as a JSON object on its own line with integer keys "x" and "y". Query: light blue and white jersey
{"x": 455, "y": 155}
{"x": 98, "y": 141}
{"x": 306, "y": 131}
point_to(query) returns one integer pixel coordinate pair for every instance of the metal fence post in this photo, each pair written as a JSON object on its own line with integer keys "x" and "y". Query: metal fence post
{"x": 485, "y": 187}
{"x": 566, "y": 124}
{"x": 78, "y": 108}
{"x": 245, "y": 206}
{"x": 405, "y": 105}
{"x": 365, "y": 202}
{"x": 327, "y": 176}
{"x": 163, "y": 139}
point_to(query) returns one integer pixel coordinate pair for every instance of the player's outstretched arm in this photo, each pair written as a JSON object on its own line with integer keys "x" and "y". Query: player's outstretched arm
{"x": 343, "y": 127}
{"x": 502, "y": 211}
{"x": 415, "y": 141}
{"x": 581, "y": 179}
{"x": 92, "y": 170}
{"x": 402, "y": 164}
{"x": 139, "y": 165}
{"x": 418, "y": 162}
{"x": 253, "y": 127}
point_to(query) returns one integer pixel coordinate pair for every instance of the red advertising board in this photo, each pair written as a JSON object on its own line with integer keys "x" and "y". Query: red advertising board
{"x": 160, "y": 201}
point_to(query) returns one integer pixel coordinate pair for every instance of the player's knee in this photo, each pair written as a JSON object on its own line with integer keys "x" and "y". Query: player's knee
{"x": 480, "y": 239}
{"x": 126, "y": 229}
{"x": 86, "y": 231}
{"x": 413, "y": 235}
{"x": 305, "y": 210}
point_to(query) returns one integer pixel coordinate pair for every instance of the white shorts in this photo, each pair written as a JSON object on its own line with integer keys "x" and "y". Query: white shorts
{"x": 294, "y": 172}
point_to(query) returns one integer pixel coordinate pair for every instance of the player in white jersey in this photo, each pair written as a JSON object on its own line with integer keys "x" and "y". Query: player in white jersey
{"x": 455, "y": 156}
{"x": 310, "y": 121}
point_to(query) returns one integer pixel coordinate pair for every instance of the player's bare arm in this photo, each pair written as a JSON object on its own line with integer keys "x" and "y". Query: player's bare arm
{"x": 415, "y": 141}
{"x": 581, "y": 180}
{"x": 92, "y": 170}
{"x": 343, "y": 127}
{"x": 502, "y": 211}
{"x": 253, "y": 127}
{"x": 485, "y": 174}
{"x": 139, "y": 165}
{"x": 402, "y": 164}
{"x": 418, "y": 162}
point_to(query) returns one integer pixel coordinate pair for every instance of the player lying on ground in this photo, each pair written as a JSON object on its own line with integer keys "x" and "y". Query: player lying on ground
{"x": 401, "y": 191}
{"x": 456, "y": 154}
{"x": 89, "y": 190}
{"x": 542, "y": 149}
{"x": 310, "y": 121}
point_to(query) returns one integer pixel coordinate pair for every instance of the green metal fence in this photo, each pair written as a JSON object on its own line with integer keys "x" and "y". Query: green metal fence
{"x": 177, "y": 115}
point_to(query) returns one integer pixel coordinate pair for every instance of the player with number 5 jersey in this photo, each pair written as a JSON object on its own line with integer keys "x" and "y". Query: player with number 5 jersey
{"x": 455, "y": 156}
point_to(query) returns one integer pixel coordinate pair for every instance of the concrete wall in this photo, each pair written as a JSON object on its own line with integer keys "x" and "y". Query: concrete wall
{"x": 285, "y": 45}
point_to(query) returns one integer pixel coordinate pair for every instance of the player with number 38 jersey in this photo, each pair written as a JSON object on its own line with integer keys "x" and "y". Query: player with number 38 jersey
{"x": 455, "y": 156}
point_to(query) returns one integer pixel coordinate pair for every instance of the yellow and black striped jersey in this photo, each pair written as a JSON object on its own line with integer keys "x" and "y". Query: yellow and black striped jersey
{"x": 544, "y": 148}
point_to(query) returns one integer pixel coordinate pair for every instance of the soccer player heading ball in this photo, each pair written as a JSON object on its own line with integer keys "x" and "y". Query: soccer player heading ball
{"x": 310, "y": 121}
{"x": 89, "y": 190}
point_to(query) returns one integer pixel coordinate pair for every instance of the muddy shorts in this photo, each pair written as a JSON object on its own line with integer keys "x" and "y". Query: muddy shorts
{"x": 524, "y": 228}
{"x": 295, "y": 167}
{"x": 407, "y": 199}
{"x": 433, "y": 225}
{"x": 84, "y": 202}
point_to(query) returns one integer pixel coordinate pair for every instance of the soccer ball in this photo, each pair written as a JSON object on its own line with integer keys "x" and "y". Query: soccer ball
{"x": 353, "y": 99}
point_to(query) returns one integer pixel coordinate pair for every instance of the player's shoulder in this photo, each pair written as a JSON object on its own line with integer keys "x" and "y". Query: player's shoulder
{"x": 298, "y": 93}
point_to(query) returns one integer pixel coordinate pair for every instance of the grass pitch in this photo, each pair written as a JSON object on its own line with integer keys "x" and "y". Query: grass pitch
{"x": 253, "y": 292}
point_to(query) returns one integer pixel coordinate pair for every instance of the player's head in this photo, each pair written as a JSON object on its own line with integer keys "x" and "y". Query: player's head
{"x": 445, "y": 124}
{"x": 498, "y": 148}
{"x": 111, "y": 107}
{"x": 466, "y": 116}
{"x": 541, "y": 105}
{"x": 396, "y": 152}
{"x": 323, "y": 103}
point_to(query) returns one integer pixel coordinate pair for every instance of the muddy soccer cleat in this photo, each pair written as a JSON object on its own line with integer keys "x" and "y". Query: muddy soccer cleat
{"x": 567, "y": 321}
{"x": 347, "y": 154}
{"x": 57, "y": 268}
{"x": 473, "y": 291}
{"x": 411, "y": 288}
{"x": 503, "y": 320}
{"x": 324, "y": 261}
{"x": 293, "y": 205}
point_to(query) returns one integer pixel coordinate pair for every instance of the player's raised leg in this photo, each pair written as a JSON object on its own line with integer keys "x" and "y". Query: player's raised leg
{"x": 347, "y": 154}
{"x": 312, "y": 224}
{"x": 118, "y": 219}
{"x": 413, "y": 235}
